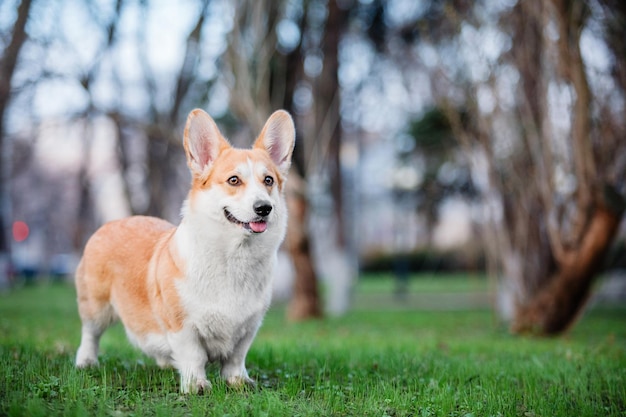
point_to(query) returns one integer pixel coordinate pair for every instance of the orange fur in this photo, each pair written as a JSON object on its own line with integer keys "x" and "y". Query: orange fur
{"x": 128, "y": 263}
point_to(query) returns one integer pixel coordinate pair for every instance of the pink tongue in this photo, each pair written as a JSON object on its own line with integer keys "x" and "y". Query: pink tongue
{"x": 258, "y": 227}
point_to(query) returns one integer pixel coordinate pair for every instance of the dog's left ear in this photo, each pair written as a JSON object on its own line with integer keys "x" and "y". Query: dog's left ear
{"x": 278, "y": 138}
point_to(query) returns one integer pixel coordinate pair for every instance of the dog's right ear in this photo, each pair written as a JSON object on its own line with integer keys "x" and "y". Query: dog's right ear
{"x": 203, "y": 142}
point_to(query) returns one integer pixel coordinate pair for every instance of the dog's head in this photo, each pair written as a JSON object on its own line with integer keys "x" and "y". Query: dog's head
{"x": 240, "y": 188}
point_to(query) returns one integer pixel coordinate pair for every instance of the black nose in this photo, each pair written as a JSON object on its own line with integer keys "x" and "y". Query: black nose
{"x": 262, "y": 208}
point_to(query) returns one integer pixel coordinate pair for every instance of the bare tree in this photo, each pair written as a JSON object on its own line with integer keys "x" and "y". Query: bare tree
{"x": 580, "y": 228}
{"x": 555, "y": 186}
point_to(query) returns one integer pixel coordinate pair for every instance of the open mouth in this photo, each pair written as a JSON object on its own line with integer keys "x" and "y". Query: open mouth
{"x": 258, "y": 226}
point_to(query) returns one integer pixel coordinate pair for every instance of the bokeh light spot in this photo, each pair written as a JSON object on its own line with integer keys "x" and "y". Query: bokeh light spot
{"x": 20, "y": 231}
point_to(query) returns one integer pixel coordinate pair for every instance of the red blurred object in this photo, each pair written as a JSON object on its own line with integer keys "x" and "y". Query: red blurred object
{"x": 20, "y": 231}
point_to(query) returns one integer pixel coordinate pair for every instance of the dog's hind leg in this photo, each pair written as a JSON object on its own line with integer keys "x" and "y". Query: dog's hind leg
{"x": 87, "y": 353}
{"x": 92, "y": 328}
{"x": 96, "y": 314}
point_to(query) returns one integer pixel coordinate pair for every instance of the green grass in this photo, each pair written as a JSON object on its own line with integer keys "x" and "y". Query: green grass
{"x": 369, "y": 363}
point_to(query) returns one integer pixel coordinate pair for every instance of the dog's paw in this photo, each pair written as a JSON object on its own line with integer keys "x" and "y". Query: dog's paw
{"x": 86, "y": 362}
{"x": 240, "y": 382}
{"x": 201, "y": 386}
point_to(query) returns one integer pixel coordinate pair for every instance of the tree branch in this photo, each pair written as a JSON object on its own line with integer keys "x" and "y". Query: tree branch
{"x": 569, "y": 16}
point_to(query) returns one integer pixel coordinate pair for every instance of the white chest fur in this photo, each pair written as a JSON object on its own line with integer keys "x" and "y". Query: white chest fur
{"x": 226, "y": 290}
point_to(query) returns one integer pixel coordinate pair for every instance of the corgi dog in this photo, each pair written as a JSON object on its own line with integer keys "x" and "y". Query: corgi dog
{"x": 198, "y": 292}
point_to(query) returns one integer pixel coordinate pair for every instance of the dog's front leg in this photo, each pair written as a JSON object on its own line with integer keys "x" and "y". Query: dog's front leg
{"x": 234, "y": 367}
{"x": 189, "y": 358}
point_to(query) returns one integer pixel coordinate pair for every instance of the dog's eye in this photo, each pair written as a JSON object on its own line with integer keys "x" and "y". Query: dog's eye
{"x": 269, "y": 181}
{"x": 234, "y": 180}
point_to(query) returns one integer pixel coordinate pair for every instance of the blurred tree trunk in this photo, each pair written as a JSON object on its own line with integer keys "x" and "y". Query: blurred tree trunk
{"x": 8, "y": 63}
{"x": 556, "y": 305}
{"x": 84, "y": 226}
{"x": 340, "y": 252}
{"x": 579, "y": 234}
{"x": 305, "y": 301}
{"x": 327, "y": 109}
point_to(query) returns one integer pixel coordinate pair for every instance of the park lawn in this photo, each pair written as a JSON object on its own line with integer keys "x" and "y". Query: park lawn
{"x": 367, "y": 363}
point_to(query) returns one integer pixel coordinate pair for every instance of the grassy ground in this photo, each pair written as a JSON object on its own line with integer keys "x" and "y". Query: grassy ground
{"x": 369, "y": 363}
